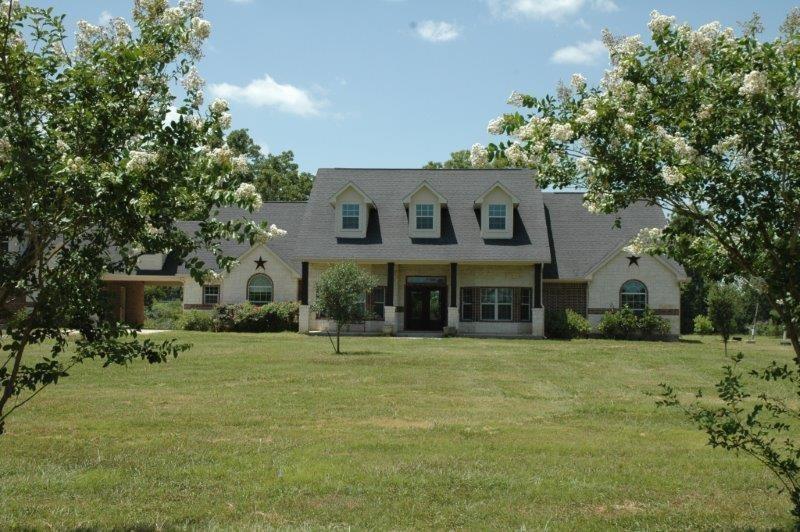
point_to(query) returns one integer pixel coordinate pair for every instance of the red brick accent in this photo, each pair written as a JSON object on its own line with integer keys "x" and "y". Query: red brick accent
{"x": 562, "y": 296}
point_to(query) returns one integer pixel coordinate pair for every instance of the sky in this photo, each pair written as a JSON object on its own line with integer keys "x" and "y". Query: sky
{"x": 397, "y": 83}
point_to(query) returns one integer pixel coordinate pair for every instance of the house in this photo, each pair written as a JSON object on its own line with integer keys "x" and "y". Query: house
{"x": 483, "y": 252}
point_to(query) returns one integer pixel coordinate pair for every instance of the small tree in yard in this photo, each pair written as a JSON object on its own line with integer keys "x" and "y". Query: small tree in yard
{"x": 340, "y": 295}
{"x": 705, "y": 124}
{"x": 724, "y": 309}
{"x": 98, "y": 160}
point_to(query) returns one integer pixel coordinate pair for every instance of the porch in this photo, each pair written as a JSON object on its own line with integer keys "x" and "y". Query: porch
{"x": 452, "y": 298}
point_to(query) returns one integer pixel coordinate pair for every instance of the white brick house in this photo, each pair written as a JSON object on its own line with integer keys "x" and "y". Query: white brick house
{"x": 483, "y": 252}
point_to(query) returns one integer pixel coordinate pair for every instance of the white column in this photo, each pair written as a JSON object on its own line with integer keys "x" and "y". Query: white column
{"x": 389, "y": 320}
{"x": 304, "y": 319}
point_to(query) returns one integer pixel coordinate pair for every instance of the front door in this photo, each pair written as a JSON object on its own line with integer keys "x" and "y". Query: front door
{"x": 424, "y": 308}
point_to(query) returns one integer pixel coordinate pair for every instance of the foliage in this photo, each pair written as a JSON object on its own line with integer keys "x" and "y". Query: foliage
{"x": 693, "y": 300}
{"x": 703, "y": 325}
{"x": 703, "y": 123}
{"x": 196, "y": 320}
{"x": 245, "y": 317}
{"x": 340, "y": 295}
{"x": 624, "y": 324}
{"x": 163, "y": 315}
{"x": 565, "y": 324}
{"x": 769, "y": 328}
{"x": 724, "y": 310}
{"x": 98, "y": 160}
{"x": 276, "y": 177}
{"x": 155, "y": 293}
{"x": 760, "y": 426}
{"x": 460, "y": 160}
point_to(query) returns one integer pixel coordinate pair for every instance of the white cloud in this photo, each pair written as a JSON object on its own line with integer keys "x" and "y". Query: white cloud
{"x": 436, "y": 31}
{"x": 105, "y": 17}
{"x": 556, "y": 10}
{"x": 266, "y": 92}
{"x": 582, "y": 53}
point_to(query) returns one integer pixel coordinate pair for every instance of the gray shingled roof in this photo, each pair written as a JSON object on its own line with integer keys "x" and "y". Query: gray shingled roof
{"x": 286, "y": 215}
{"x": 387, "y": 230}
{"x": 580, "y": 240}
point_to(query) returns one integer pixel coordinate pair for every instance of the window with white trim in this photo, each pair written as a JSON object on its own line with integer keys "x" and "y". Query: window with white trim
{"x": 525, "y": 304}
{"x": 633, "y": 295}
{"x": 467, "y": 305}
{"x": 497, "y": 217}
{"x": 424, "y": 215}
{"x": 351, "y": 214}
{"x": 211, "y": 294}
{"x": 496, "y": 304}
{"x": 260, "y": 289}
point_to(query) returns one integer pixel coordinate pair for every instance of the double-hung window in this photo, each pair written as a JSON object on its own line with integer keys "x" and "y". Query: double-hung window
{"x": 424, "y": 215}
{"x": 525, "y": 304}
{"x": 467, "y": 305}
{"x": 378, "y": 300}
{"x": 211, "y": 294}
{"x": 496, "y": 304}
{"x": 351, "y": 213}
{"x": 497, "y": 217}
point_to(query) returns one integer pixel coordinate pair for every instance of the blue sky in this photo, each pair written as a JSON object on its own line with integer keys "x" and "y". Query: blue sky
{"x": 396, "y": 83}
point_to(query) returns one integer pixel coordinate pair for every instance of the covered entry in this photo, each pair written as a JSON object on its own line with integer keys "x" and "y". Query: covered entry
{"x": 425, "y": 303}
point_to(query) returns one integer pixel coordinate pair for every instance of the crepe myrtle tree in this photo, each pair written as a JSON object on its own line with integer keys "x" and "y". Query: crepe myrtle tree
{"x": 340, "y": 295}
{"x": 704, "y": 123}
{"x": 98, "y": 160}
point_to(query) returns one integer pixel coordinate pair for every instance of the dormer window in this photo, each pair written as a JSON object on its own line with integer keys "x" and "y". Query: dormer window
{"x": 497, "y": 217}
{"x": 424, "y": 216}
{"x": 351, "y": 210}
{"x": 496, "y": 212}
{"x": 351, "y": 214}
{"x": 424, "y": 207}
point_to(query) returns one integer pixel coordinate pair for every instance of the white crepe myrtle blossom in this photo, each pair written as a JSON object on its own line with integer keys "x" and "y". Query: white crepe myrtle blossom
{"x": 516, "y": 99}
{"x": 496, "y": 126}
{"x": 201, "y": 29}
{"x": 726, "y": 145}
{"x": 225, "y": 120}
{"x": 212, "y": 277}
{"x": 516, "y": 155}
{"x": 173, "y": 16}
{"x": 672, "y": 175}
{"x": 561, "y": 132}
{"x": 646, "y": 241}
{"x": 139, "y": 161}
{"x": 192, "y": 81}
{"x": 219, "y": 106}
{"x": 597, "y": 202}
{"x": 659, "y": 23}
{"x": 264, "y": 236}
{"x": 704, "y": 113}
{"x": 192, "y": 8}
{"x": 754, "y": 83}
{"x": 478, "y": 156}
{"x": 240, "y": 165}
{"x": 222, "y": 155}
{"x": 578, "y": 82}
{"x": 122, "y": 31}
{"x": 248, "y": 195}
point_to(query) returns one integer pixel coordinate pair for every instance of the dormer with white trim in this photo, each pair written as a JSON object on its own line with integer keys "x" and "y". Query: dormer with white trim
{"x": 351, "y": 207}
{"x": 496, "y": 207}
{"x": 424, "y": 206}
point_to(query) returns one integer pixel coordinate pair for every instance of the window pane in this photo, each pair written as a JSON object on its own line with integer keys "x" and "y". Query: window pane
{"x": 526, "y": 296}
{"x": 259, "y": 290}
{"x": 466, "y": 296}
{"x": 424, "y": 209}
{"x": 350, "y": 215}
{"x": 424, "y": 222}
{"x": 497, "y": 217}
{"x": 488, "y": 295}
{"x": 487, "y": 312}
{"x": 504, "y": 295}
{"x": 503, "y": 312}
{"x": 466, "y": 312}
{"x": 497, "y": 210}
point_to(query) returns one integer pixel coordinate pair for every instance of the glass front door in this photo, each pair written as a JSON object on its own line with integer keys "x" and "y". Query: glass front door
{"x": 424, "y": 308}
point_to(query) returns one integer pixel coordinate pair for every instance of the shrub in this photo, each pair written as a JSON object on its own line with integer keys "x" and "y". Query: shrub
{"x": 245, "y": 317}
{"x": 618, "y": 324}
{"x": 623, "y": 324}
{"x": 769, "y": 328}
{"x": 196, "y": 320}
{"x": 703, "y": 325}
{"x": 163, "y": 314}
{"x": 724, "y": 310}
{"x": 566, "y": 324}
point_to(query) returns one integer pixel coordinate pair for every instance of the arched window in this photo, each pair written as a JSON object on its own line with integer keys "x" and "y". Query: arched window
{"x": 633, "y": 294}
{"x": 259, "y": 289}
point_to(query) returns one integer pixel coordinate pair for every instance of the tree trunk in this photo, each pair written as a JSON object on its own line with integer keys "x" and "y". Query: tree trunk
{"x": 338, "y": 334}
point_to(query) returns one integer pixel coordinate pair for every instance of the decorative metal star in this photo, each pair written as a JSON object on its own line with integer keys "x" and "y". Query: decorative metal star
{"x": 260, "y": 263}
{"x": 633, "y": 259}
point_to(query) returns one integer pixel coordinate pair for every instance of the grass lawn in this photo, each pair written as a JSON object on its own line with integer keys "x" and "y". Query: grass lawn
{"x": 250, "y": 431}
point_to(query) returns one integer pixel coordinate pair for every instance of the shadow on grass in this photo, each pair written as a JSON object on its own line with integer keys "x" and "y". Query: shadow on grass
{"x": 359, "y": 353}
{"x": 686, "y": 341}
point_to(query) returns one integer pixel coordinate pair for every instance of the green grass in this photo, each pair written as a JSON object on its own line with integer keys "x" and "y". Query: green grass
{"x": 259, "y": 431}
